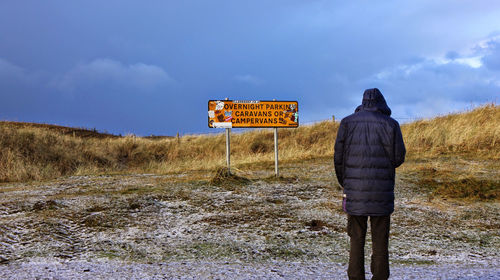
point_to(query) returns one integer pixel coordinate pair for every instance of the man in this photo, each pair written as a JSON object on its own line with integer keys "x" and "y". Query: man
{"x": 368, "y": 149}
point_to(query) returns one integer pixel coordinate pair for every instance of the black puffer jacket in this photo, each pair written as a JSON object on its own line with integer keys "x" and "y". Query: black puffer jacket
{"x": 368, "y": 148}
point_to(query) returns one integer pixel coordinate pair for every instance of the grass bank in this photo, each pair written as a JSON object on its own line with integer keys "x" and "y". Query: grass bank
{"x": 453, "y": 150}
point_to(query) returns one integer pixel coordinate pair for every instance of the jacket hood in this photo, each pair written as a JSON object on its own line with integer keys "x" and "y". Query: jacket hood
{"x": 374, "y": 101}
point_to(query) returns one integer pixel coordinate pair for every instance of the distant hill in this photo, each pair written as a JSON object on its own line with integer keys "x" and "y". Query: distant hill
{"x": 78, "y": 132}
{"x": 72, "y": 131}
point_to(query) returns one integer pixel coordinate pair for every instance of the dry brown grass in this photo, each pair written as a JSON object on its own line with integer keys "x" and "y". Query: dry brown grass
{"x": 36, "y": 152}
{"x": 455, "y": 156}
{"x": 33, "y": 152}
{"x": 475, "y": 133}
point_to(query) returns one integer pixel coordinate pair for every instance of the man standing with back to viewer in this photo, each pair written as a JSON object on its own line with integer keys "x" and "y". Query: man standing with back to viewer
{"x": 368, "y": 148}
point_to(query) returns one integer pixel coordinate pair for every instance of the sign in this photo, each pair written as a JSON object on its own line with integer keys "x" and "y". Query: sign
{"x": 242, "y": 113}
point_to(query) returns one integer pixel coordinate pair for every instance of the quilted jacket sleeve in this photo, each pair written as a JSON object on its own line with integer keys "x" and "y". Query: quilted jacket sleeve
{"x": 399, "y": 147}
{"x": 338, "y": 156}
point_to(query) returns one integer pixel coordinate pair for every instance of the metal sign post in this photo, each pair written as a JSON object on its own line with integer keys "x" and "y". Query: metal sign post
{"x": 228, "y": 149}
{"x": 276, "y": 170}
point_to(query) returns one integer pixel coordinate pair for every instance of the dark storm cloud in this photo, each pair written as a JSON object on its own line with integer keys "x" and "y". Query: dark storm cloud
{"x": 100, "y": 73}
{"x": 102, "y": 91}
{"x": 150, "y": 67}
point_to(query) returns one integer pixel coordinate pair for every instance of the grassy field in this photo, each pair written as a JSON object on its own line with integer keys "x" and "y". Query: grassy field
{"x": 454, "y": 155}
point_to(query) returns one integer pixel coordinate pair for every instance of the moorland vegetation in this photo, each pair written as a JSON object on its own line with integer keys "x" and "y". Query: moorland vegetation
{"x": 455, "y": 155}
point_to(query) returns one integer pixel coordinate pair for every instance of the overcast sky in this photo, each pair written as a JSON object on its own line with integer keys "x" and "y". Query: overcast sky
{"x": 149, "y": 67}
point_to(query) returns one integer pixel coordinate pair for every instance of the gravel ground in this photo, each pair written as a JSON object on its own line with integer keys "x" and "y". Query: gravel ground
{"x": 226, "y": 270}
{"x": 180, "y": 226}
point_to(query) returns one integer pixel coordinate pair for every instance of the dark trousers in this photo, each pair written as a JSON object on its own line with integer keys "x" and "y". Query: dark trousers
{"x": 356, "y": 229}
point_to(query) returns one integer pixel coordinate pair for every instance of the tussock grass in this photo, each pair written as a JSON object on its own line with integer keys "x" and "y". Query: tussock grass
{"x": 37, "y": 152}
{"x": 455, "y": 156}
{"x": 468, "y": 187}
{"x": 475, "y": 133}
{"x": 223, "y": 177}
{"x": 455, "y": 182}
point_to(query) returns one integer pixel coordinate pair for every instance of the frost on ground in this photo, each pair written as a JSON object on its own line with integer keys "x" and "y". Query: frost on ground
{"x": 133, "y": 224}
